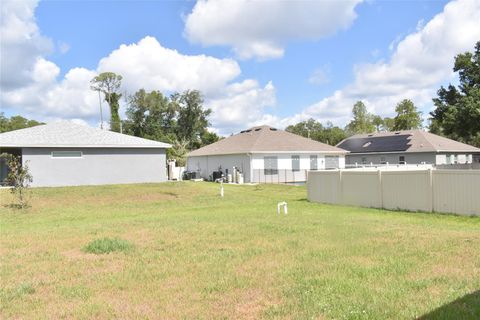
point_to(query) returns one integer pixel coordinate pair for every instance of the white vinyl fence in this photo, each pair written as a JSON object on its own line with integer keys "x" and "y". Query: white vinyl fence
{"x": 448, "y": 191}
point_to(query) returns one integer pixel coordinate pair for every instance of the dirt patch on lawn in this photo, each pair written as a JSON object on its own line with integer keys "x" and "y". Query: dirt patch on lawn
{"x": 76, "y": 254}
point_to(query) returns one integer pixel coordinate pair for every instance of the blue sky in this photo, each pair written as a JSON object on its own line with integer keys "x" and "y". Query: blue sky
{"x": 274, "y": 68}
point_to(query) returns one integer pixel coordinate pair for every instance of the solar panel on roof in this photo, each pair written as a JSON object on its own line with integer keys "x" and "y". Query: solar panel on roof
{"x": 377, "y": 144}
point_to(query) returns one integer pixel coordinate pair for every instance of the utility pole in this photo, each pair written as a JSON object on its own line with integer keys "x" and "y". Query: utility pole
{"x": 101, "y": 112}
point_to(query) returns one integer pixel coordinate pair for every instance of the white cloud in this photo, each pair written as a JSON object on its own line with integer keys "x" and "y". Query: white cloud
{"x": 262, "y": 28}
{"x": 420, "y": 63}
{"x": 63, "y": 47}
{"x": 241, "y": 105}
{"x": 21, "y": 43}
{"x": 148, "y": 65}
{"x": 320, "y": 76}
{"x": 145, "y": 64}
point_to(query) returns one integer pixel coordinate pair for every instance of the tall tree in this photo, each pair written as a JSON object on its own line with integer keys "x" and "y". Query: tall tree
{"x": 388, "y": 124}
{"x": 179, "y": 119}
{"x": 316, "y": 131}
{"x": 457, "y": 110}
{"x": 332, "y": 135}
{"x": 15, "y": 123}
{"x": 377, "y": 122}
{"x": 109, "y": 84}
{"x": 192, "y": 117}
{"x": 150, "y": 115}
{"x": 308, "y": 129}
{"x": 362, "y": 120}
{"x": 408, "y": 117}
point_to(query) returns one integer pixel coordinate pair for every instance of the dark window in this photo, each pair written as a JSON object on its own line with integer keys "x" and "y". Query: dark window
{"x": 66, "y": 154}
{"x": 295, "y": 163}
{"x": 270, "y": 165}
{"x": 313, "y": 163}
{"x": 364, "y": 160}
{"x": 401, "y": 159}
{"x": 383, "y": 160}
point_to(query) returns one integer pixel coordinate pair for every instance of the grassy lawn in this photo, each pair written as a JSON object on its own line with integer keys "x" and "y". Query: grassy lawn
{"x": 196, "y": 255}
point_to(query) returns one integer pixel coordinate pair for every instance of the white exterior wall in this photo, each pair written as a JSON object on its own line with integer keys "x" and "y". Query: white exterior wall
{"x": 285, "y": 160}
{"x": 391, "y": 158}
{"x": 252, "y": 164}
{"x": 96, "y": 166}
{"x": 206, "y": 165}
{"x": 410, "y": 158}
{"x": 441, "y": 159}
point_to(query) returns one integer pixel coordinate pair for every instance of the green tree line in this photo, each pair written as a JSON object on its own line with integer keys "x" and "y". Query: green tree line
{"x": 15, "y": 123}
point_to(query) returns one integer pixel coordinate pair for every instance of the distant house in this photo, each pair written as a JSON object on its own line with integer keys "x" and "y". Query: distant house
{"x": 406, "y": 147}
{"x": 68, "y": 154}
{"x": 265, "y": 154}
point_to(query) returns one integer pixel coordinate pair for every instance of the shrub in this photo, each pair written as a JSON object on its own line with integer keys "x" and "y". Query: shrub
{"x": 18, "y": 177}
{"x": 107, "y": 245}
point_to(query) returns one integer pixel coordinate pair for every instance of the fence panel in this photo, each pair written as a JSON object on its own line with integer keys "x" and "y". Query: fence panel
{"x": 324, "y": 187}
{"x": 407, "y": 190}
{"x": 449, "y": 191}
{"x": 456, "y": 191}
{"x": 361, "y": 188}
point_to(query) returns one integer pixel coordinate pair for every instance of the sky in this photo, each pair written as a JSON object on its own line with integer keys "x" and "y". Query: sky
{"x": 255, "y": 62}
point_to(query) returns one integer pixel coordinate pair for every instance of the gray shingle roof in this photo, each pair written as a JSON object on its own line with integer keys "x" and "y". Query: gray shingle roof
{"x": 69, "y": 134}
{"x": 264, "y": 139}
{"x": 403, "y": 141}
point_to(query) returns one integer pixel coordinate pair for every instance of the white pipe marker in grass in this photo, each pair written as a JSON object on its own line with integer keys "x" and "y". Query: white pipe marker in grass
{"x": 221, "y": 186}
{"x": 284, "y": 205}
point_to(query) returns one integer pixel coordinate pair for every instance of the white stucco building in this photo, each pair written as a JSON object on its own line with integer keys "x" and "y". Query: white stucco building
{"x": 265, "y": 154}
{"x": 69, "y": 154}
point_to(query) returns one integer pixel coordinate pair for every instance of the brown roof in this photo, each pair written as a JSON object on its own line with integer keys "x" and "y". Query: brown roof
{"x": 403, "y": 141}
{"x": 264, "y": 139}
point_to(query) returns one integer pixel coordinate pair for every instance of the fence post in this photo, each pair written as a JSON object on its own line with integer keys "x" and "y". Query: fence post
{"x": 380, "y": 184}
{"x": 340, "y": 187}
{"x": 430, "y": 179}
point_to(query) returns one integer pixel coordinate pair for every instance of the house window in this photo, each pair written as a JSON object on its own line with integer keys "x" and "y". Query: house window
{"x": 383, "y": 160}
{"x": 270, "y": 165}
{"x": 313, "y": 162}
{"x": 455, "y": 158}
{"x": 364, "y": 160}
{"x": 66, "y": 154}
{"x": 469, "y": 158}
{"x": 401, "y": 159}
{"x": 449, "y": 159}
{"x": 295, "y": 163}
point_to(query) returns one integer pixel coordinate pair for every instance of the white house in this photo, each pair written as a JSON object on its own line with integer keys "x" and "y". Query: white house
{"x": 68, "y": 154}
{"x": 265, "y": 154}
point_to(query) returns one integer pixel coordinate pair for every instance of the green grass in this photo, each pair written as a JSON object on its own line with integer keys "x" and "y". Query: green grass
{"x": 204, "y": 257}
{"x": 107, "y": 245}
